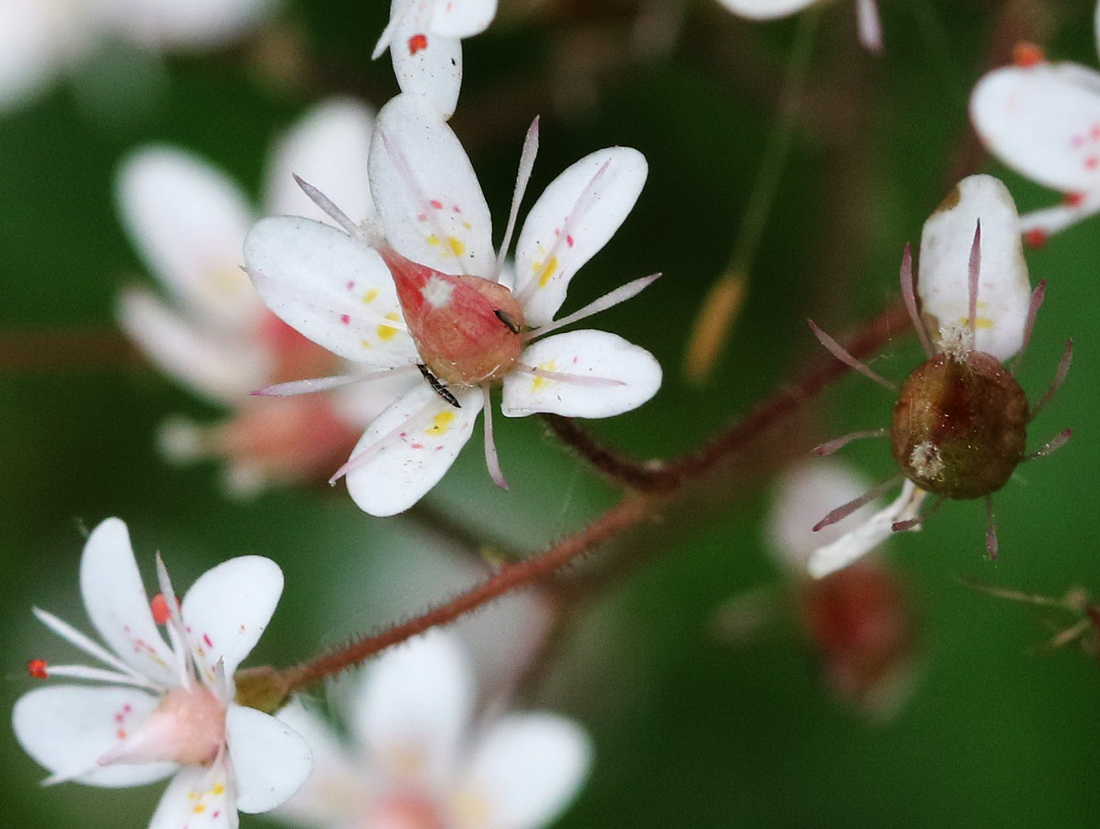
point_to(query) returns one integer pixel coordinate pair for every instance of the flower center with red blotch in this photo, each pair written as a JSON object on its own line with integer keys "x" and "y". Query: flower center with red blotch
{"x": 188, "y": 727}
{"x": 405, "y": 810}
{"x": 468, "y": 330}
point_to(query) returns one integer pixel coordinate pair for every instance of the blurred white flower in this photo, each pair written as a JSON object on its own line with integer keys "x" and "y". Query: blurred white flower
{"x": 867, "y": 18}
{"x": 165, "y": 708}
{"x": 41, "y": 39}
{"x": 189, "y": 221}
{"x": 422, "y": 760}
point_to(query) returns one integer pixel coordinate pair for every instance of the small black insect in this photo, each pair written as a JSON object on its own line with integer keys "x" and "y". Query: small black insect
{"x": 438, "y": 387}
{"x": 508, "y": 320}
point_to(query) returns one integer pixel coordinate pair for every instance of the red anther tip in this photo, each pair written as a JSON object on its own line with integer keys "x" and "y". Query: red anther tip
{"x": 160, "y": 609}
{"x": 37, "y": 668}
{"x": 417, "y": 42}
{"x": 1025, "y": 55}
{"x": 1035, "y": 238}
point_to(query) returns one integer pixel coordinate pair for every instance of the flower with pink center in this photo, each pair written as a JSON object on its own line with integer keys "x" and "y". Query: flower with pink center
{"x": 189, "y": 220}
{"x": 41, "y": 39}
{"x": 153, "y": 709}
{"x": 425, "y": 42}
{"x": 870, "y": 27}
{"x": 1043, "y": 120}
{"x": 422, "y": 760}
{"x": 422, "y": 294}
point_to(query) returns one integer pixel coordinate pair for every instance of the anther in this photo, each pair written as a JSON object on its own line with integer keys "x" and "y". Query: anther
{"x": 37, "y": 668}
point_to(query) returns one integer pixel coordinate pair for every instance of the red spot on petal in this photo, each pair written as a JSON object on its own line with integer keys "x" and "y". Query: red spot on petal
{"x": 438, "y": 205}
{"x": 1025, "y": 55}
{"x": 417, "y": 42}
{"x": 127, "y": 708}
{"x": 1094, "y": 133}
{"x": 37, "y": 668}
{"x": 1074, "y": 199}
{"x": 206, "y": 639}
{"x": 1091, "y": 162}
{"x": 351, "y": 285}
{"x": 159, "y": 606}
{"x": 1035, "y": 238}
{"x": 422, "y": 217}
{"x": 569, "y": 241}
{"x": 456, "y": 209}
{"x": 417, "y": 446}
{"x": 121, "y": 733}
{"x": 344, "y": 318}
{"x": 1077, "y": 141}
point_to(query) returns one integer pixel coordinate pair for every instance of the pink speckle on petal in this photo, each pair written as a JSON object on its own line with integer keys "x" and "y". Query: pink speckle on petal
{"x": 1091, "y": 162}
{"x": 456, "y": 209}
{"x": 206, "y": 639}
{"x": 1094, "y": 133}
{"x": 569, "y": 241}
{"x": 417, "y": 446}
{"x": 438, "y": 205}
{"x": 1074, "y": 199}
{"x": 351, "y": 285}
{"x": 345, "y": 319}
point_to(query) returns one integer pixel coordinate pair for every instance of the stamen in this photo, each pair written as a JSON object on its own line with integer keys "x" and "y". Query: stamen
{"x": 837, "y": 350}
{"x": 844, "y": 510}
{"x": 366, "y": 454}
{"x": 833, "y": 445}
{"x": 396, "y": 18}
{"x": 523, "y": 176}
{"x": 870, "y": 26}
{"x": 1037, "y": 297}
{"x": 974, "y": 271}
{"x": 330, "y": 209}
{"x": 990, "y": 529}
{"x": 1056, "y": 383}
{"x": 160, "y": 609}
{"x": 174, "y": 627}
{"x": 909, "y": 294}
{"x": 572, "y": 379}
{"x": 1051, "y": 446}
{"x": 319, "y": 384}
{"x": 96, "y": 651}
{"x": 37, "y": 668}
{"x": 610, "y": 300}
{"x": 492, "y": 460}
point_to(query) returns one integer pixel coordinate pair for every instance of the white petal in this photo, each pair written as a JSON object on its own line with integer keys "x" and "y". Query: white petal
{"x": 1055, "y": 219}
{"x": 414, "y": 705}
{"x": 37, "y": 40}
{"x": 408, "y": 448}
{"x": 869, "y": 535}
{"x": 527, "y": 769}
{"x": 1043, "y": 121}
{"x": 765, "y": 9}
{"x": 331, "y": 287}
{"x": 587, "y": 354}
{"x": 427, "y": 195}
{"x": 270, "y": 760}
{"x": 188, "y": 221}
{"x": 462, "y": 18}
{"x": 571, "y": 221}
{"x": 227, "y": 610}
{"x": 428, "y": 64}
{"x": 198, "y": 797}
{"x": 805, "y": 493}
{"x": 196, "y": 23}
{"x": 1004, "y": 295}
{"x": 335, "y": 793}
{"x": 328, "y": 148}
{"x": 118, "y": 605}
{"x": 66, "y": 728}
{"x": 219, "y": 367}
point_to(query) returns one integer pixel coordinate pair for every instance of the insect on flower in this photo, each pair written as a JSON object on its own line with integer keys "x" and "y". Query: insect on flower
{"x": 960, "y": 422}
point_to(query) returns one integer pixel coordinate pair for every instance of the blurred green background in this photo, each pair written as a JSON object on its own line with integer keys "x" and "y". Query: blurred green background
{"x": 688, "y": 731}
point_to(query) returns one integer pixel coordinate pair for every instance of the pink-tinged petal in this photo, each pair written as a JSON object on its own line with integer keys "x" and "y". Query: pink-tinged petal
{"x": 194, "y": 24}
{"x": 219, "y": 367}
{"x": 1004, "y": 295}
{"x": 428, "y": 64}
{"x": 188, "y": 221}
{"x": 66, "y": 728}
{"x": 462, "y": 18}
{"x": 1042, "y": 121}
{"x": 870, "y": 534}
{"x": 270, "y": 759}
{"x": 328, "y": 148}
{"x": 118, "y": 605}
{"x": 805, "y": 493}
{"x": 426, "y": 193}
{"x": 228, "y": 608}
{"x": 336, "y": 793}
{"x": 613, "y": 376}
{"x": 765, "y": 9}
{"x": 199, "y": 797}
{"x": 332, "y": 288}
{"x": 527, "y": 770}
{"x": 571, "y": 221}
{"x": 413, "y": 706}
{"x": 408, "y": 448}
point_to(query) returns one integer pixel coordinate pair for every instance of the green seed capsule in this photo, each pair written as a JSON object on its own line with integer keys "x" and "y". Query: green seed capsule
{"x": 960, "y": 425}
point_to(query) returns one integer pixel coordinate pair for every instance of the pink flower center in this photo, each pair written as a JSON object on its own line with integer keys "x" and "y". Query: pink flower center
{"x": 188, "y": 727}
{"x": 405, "y": 810}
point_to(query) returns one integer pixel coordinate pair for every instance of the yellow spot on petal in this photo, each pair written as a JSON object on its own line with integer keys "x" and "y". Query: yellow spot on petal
{"x": 433, "y": 240}
{"x": 545, "y": 270}
{"x": 456, "y": 246}
{"x": 538, "y": 382}
{"x": 199, "y": 809}
{"x": 441, "y": 423}
{"x": 386, "y": 332}
{"x": 365, "y": 343}
{"x": 370, "y": 296}
{"x": 218, "y": 789}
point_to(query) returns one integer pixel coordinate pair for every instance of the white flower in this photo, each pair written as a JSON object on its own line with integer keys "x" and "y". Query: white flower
{"x": 1043, "y": 120}
{"x": 40, "y": 39}
{"x": 424, "y": 762}
{"x": 189, "y": 221}
{"x": 425, "y": 42}
{"x": 971, "y": 309}
{"x": 421, "y": 290}
{"x": 165, "y": 708}
{"x": 870, "y": 28}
